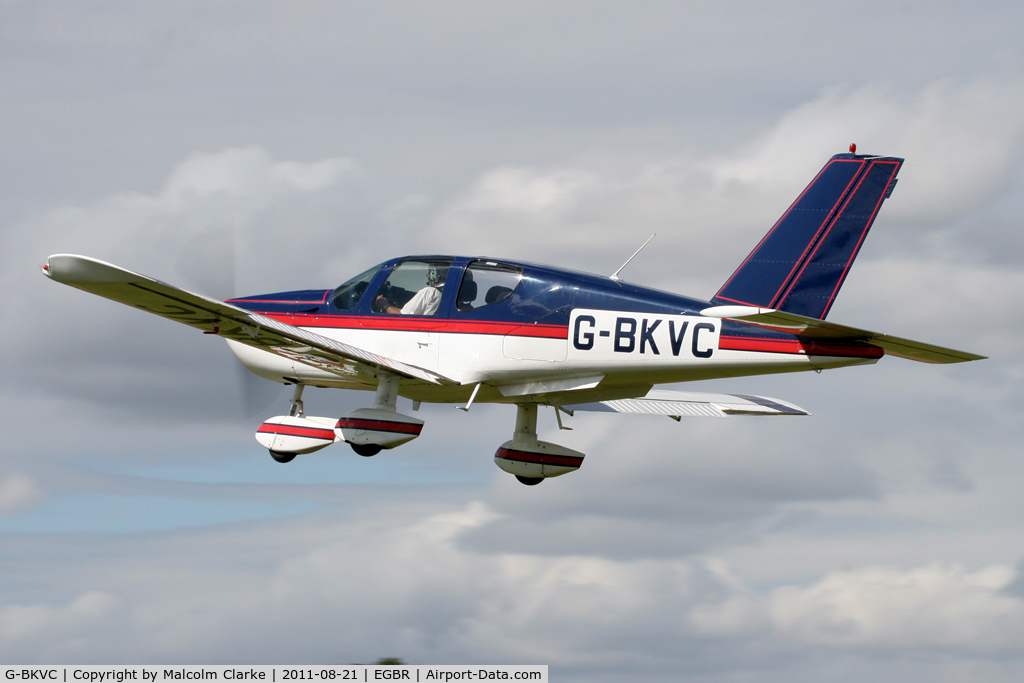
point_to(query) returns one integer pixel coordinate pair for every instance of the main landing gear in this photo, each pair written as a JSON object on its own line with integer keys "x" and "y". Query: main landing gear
{"x": 296, "y": 410}
{"x": 370, "y": 430}
{"x": 367, "y": 430}
{"x": 530, "y": 460}
{"x": 286, "y": 436}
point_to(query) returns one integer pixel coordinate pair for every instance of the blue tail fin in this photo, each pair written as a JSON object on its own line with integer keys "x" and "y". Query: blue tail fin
{"x": 801, "y": 263}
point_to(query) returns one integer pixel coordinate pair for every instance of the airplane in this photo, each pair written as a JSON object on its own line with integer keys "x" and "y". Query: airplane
{"x": 474, "y": 329}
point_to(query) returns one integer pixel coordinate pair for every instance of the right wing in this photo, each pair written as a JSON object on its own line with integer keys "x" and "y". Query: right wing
{"x": 216, "y": 317}
{"x": 679, "y": 404}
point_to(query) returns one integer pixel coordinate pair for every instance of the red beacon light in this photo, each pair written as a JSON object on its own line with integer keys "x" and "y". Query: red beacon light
{"x": 853, "y": 148}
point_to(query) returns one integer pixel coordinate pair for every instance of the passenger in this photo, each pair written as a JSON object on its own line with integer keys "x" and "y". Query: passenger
{"x": 424, "y": 302}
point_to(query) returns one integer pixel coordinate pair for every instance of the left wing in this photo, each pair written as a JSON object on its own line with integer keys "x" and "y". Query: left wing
{"x": 216, "y": 317}
{"x": 679, "y": 404}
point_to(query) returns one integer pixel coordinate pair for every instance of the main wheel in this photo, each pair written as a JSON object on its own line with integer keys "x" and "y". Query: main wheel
{"x": 282, "y": 457}
{"x": 365, "y": 449}
{"x": 529, "y": 481}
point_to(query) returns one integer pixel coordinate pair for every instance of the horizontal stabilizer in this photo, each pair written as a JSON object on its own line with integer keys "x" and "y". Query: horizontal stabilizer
{"x": 216, "y": 317}
{"x": 679, "y": 404}
{"x": 812, "y": 328}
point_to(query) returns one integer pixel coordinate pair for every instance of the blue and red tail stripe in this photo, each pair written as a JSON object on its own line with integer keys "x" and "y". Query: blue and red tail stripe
{"x": 815, "y": 286}
{"x": 802, "y": 262}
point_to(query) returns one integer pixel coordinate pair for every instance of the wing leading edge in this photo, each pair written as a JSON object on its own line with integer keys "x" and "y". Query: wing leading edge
{"x": 216, "y": 317}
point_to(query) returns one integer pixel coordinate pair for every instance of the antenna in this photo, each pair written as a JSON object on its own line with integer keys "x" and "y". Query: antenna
{"x": 615, "y": 275}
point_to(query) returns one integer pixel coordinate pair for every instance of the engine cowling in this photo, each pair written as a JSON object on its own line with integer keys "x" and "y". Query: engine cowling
{"x": 297, "y": 435}
{"x": 380, "y": 427}
{"x": 533, "y": 459}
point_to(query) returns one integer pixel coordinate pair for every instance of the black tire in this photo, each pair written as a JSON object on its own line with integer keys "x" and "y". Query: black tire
{"x": 365, "y": 449}
{"x": 529, "y": 481}
{"x": 282, "y": 457}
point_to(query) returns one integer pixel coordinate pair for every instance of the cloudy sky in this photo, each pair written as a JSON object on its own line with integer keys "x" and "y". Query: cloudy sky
{"x": 248, "y": 147}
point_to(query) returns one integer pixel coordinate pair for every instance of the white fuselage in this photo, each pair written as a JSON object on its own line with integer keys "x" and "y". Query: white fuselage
{"x": 603, "y": 353}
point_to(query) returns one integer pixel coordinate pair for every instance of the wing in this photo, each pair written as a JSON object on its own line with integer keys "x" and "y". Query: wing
{"x": 679, "y": 404}
{"x": 216, "y": 317}
{"x": 812, "y": 328}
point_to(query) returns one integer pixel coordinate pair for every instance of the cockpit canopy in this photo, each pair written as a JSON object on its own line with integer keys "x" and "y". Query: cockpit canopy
{"x": 415, "y": 286}
{"x": 477, "y": 289}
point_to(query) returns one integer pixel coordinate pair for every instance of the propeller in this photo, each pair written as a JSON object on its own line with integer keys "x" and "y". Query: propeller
{"x": 208, "y": 261}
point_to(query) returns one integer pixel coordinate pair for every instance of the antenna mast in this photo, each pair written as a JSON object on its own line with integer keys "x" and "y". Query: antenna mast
{"x": 615, "y": 275}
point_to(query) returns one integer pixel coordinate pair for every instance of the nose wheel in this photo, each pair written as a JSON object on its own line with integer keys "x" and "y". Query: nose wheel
{"x": 529, "y": 481}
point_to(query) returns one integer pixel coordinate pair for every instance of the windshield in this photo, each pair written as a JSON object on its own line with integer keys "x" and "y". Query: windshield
{"x": 346, "y": 297}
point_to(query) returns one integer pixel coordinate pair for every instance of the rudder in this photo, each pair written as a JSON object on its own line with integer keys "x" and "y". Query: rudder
{"x": 799, "y": 266}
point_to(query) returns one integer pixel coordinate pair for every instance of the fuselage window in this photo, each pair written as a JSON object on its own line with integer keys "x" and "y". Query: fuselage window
{"x": 414, "y": 287}
{"x": 346, "y": 297}
{"x": 486, "y": 283}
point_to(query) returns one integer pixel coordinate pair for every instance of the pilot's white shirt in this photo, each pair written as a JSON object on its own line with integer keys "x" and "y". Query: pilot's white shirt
{"x": 425, "y": 302}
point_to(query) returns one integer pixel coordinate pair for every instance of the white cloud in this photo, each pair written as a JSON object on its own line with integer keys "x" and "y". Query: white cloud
{"x": 221, "y": 223}
{"x": 233, "y": 191}
{"x": 961, "y": 142}
{"x": 250, "y": 172}
{"x": 935, "y": 606}
{"x": 920, "y": 296}
{"x": 17, "y": 492}
{"x": 41, "y": 631}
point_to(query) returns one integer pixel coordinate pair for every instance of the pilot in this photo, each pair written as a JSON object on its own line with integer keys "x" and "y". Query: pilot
{"x": 424, "y": 302}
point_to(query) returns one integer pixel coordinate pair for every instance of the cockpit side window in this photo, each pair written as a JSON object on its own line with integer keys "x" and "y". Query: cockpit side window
{"x": 486, "y": 283}
{"x": 346, "y": 297}
{"x": 414, "y": 287}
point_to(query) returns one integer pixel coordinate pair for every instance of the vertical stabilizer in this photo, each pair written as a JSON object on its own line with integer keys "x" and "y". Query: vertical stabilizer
{"x": 799, "y": 266}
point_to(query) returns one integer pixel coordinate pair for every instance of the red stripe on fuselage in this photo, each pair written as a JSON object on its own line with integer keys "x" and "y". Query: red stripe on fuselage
{"x": 417, "y": 324}
{"x": 539, "y": 458}
{"x": 379, "y": 426}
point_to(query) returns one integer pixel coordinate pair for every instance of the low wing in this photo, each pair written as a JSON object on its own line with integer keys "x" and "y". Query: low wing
{"x": 812, "y": 328}
{"x": 216, "y": 317}
{"x": 679, "y": 404}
